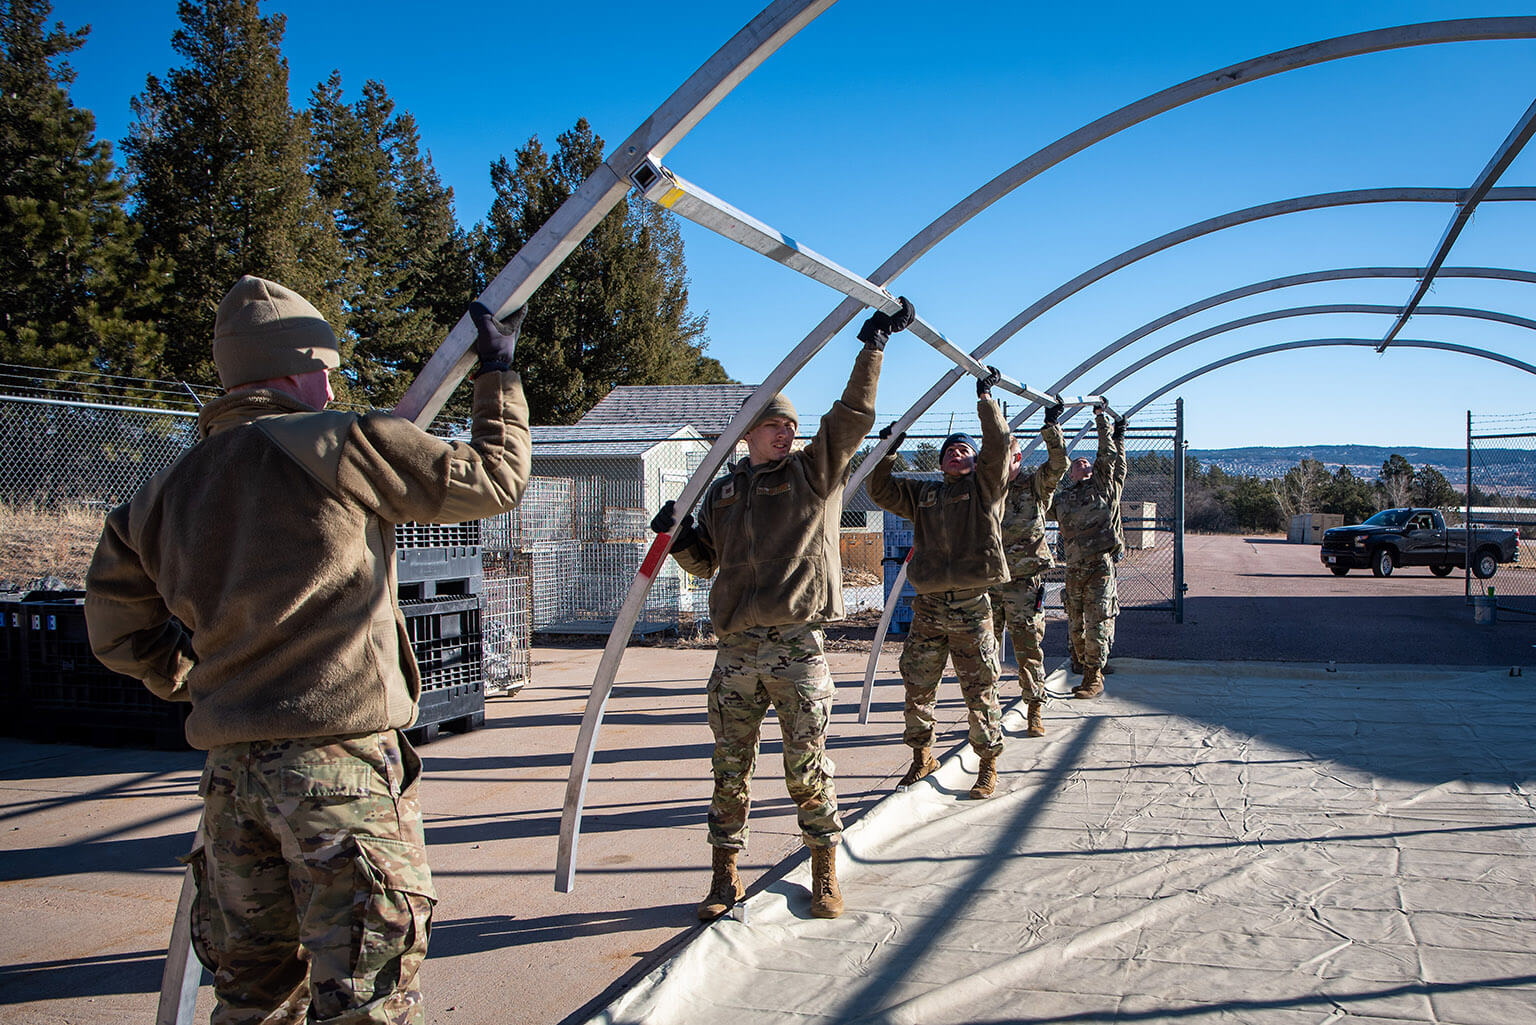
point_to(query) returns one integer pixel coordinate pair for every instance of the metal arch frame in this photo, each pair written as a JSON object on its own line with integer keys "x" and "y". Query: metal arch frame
{"x": 1168, "y": 240}
{"x": 1461, "y": 30}
{"x": 1496, "y": 166}
{"x": 1300, "y": 311}
{"x": 1244, "y": 291}
{"x": 1314, "y": 343}
{"x": 603, "y": 190}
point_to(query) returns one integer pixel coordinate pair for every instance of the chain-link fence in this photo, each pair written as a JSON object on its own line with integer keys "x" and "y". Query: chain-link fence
{"x": 1501, "y": 501}
{"x": 70, "y": 441}
{"x": 73, "y": 446}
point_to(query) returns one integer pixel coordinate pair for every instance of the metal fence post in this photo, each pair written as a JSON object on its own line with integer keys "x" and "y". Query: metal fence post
{"x": 1178, "y": 510}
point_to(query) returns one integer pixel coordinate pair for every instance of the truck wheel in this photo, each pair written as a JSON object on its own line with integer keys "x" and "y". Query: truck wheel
{"x": 1339, "y": 571}
{"x": 1442, "y": 570}
{"x": 1485, "y": 563}
{"x": 1381, "y": 562}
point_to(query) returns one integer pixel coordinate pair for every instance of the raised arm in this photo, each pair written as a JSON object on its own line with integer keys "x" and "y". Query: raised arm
{"x": 992, "y": 462}
{"x": 847, "y": 423}
{"x": 1050, "y": 472}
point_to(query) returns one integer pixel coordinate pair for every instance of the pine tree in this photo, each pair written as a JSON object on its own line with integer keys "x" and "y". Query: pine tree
{"x": 71, "y": 292}
{"x": 616, "y": 312}
{"x": 217, "y": 161}
{"x": 406, "y": 275}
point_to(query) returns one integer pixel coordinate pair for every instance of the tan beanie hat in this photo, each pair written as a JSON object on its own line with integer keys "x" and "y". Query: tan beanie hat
{"x": 779, "y": 405}
{"x": 265, "y": 330}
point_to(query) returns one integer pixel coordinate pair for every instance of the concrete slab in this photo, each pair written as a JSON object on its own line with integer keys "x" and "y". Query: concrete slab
{"x": 89, "y": 837}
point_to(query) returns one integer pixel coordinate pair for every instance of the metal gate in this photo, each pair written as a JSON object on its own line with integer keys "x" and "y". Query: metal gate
{"x": 1501, "y": 494}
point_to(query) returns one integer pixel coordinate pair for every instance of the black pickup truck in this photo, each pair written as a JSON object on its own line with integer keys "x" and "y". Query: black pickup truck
{"x": 1416, "y": 537}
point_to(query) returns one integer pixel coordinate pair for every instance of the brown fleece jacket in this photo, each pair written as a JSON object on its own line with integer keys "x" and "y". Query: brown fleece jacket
{"x": 769, "y": 533}
{"x": 957, "y": 540}
{"x": 1088, "y": 511}
{"x": 272, "y": 541}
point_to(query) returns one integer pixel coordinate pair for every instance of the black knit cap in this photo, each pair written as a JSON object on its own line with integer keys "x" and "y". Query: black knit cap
{"x": 958, "y": 438}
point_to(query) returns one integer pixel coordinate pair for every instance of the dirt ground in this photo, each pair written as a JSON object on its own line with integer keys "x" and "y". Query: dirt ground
{"x": 48, "y": 549}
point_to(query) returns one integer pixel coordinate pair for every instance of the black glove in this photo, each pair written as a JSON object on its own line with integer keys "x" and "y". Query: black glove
{"x": 1053, "y": 414}
{"x": 984, "y": 384}
{"x": 664, "y": 520}
{"x": 877, "y": 330}
{"x": 887, "y": 430}
{"x": 495, "y": 341}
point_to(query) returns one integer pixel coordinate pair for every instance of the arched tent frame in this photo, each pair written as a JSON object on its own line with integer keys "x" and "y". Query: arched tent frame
{"x": 1273, "y": 284}
{"x": 1316, "y": 343}
{"x": 1286, "y": 60}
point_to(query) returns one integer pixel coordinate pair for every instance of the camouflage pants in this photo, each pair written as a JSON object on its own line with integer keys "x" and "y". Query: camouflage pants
{"x": 1092, "y": 605}
{"x": 957, "y": 625}
{"x": 1013, "y": 607}
{"x": 314, "y": 900}
{"x": 782, "y": 666}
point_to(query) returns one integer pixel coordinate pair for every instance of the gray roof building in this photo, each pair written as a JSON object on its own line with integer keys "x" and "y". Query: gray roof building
{"x": 707, "y": 407}
{"x": 606, "y": 440}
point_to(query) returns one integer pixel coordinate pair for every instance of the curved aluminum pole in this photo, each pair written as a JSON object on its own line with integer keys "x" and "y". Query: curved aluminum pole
{"x": 750, "y": 47}
{"x": 1157, "y": 245}
{"x": 1468, "y": 350}
{"x": 1300, "y": 311}
{"x": 1305, "y": 344}
{"x": 880, "y": 631}
{"x": 1242, "y": 292}
{"x": 604, "y": 190}
{"x": 1429, "y": 33}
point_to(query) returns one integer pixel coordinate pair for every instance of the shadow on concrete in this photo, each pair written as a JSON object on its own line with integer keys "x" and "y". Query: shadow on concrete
{"x": 1380, "y": 629}
{"x": 131, "y": 972}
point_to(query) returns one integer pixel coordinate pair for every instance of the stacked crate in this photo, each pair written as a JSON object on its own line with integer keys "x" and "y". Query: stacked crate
{"x": 440, "y": 584}
{"x": 62, "y": 692}
{"x": 898, "y": 545}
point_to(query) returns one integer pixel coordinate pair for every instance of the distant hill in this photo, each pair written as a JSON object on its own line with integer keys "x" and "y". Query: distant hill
{"x": 1362, "y": 460}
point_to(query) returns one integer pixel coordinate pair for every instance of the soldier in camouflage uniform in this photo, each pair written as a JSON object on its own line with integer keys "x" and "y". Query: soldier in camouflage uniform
{"x": 1019, "y": 604}
{"x": 957, "y": 553}
{"x": 768, "y": 532}
{"x": 1087, "y": 511}
{"x": 255, "y": 578}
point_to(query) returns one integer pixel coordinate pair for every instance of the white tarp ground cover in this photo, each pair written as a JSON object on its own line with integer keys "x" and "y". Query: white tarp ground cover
{"x": 1208, "y": 843}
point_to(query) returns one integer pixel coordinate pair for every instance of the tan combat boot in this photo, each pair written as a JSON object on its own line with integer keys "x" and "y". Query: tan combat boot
{"x": 725, "y": 888}
{"x": 1036, "y": 726}
{"x": 922, "y": 765}
{"x": 1092, "y": 685}
{"x": 986, "y": 778}
{"x": 826, "y": 898}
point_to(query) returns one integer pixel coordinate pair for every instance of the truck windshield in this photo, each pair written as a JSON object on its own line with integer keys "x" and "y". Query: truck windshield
{"x": 1389, "y": 518}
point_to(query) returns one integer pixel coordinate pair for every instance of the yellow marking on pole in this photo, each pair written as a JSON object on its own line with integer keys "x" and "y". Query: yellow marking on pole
{"x": 672, "y": 196}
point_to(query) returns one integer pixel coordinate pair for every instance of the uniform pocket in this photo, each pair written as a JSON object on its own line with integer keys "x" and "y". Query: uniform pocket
{"x": 394, "y": 888}
{"x": 206, "y": 938}
{"x": 327, "y": 779}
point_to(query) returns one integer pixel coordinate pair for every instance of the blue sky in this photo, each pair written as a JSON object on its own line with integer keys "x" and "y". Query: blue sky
{"x": 883, "y": 113}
